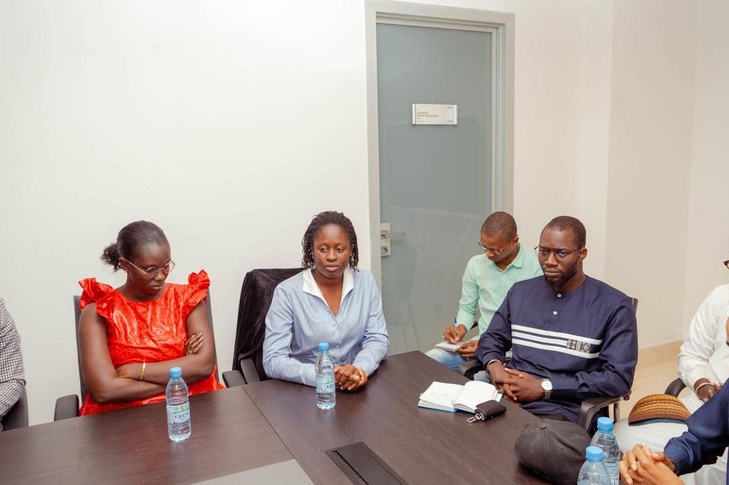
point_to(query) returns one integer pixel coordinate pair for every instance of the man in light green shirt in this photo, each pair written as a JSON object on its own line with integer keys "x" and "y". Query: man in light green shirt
{"x": 487, "y": 279}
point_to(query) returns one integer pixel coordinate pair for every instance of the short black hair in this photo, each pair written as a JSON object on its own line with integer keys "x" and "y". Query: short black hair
{"x": 498, "y": 224}
{"x": 131, "y": 239}
{"x": 562, "y": 223}
{"x": 323, "y": 219}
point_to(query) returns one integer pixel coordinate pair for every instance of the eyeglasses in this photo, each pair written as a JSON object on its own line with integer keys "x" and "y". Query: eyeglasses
{"x": 153, "y": 271}
{"x": 560, "y": 254}
{"x": 726, "y": 263}
{"x": 496, "y": 251}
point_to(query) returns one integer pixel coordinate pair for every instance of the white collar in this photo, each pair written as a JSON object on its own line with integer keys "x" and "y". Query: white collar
{"x": 312, "y": 288}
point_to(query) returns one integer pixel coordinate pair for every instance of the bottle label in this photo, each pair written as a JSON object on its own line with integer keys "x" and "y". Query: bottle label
{"x": 325, "y": 384}
{"x": 178, "y": 414}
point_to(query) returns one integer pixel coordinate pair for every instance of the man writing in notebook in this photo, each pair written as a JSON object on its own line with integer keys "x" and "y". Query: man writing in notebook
{"x": 571, "y": 336}
{"x": 487, "y": 278}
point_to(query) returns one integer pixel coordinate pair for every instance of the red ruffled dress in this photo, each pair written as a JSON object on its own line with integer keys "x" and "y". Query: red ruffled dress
{"x": 150, "y": 331}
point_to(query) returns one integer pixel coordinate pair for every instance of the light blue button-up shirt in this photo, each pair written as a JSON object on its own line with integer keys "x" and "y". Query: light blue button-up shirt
{"x": 299, "y": 318}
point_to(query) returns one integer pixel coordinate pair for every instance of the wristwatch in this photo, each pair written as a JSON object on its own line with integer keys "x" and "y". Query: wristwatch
{"x": 547, "y": 388}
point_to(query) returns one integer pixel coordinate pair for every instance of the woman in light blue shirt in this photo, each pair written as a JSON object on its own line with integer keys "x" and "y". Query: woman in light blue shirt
{"x": 330, "y": 301}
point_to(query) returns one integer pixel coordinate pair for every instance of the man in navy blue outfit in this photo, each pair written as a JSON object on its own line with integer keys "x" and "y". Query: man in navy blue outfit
{"x": 704, "y": 442}
{"x": 572, "y": 337}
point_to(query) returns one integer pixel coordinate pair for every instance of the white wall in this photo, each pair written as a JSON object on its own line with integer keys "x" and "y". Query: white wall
{"x": 591, "y": 187}
{"x": 708, "y": 231}
{"x": 667, "y": 204}
{"x": 651, "y": 128}
{"x": 231, "y": 123}
{"x": 226, "y": 123}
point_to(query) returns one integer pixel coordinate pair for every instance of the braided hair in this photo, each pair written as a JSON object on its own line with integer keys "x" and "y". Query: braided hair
{"x": 324, "y": 219}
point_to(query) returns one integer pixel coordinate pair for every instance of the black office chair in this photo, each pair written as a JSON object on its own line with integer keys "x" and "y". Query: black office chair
{"x": 17, "y": 417}
{"x": 68, "y": 406}
{"x": 255, "y": 299}
{"x": 589, "y": 409}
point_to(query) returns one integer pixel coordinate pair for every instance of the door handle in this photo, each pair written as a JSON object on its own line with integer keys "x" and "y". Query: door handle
{"x": 385, "y": 245}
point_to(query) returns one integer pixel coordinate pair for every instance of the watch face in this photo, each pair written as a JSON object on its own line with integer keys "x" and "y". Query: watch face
{"x": 547, "y": 385}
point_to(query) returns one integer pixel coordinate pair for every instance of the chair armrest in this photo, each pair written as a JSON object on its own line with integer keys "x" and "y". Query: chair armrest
{"x": 248, "y": 369}
{"x": 66, "y": 407}
{"x": 470, "y": 368}
{"x": 675, "y": 387}
{"x": 233, "y": 378}
{"x": 590, "y": 407}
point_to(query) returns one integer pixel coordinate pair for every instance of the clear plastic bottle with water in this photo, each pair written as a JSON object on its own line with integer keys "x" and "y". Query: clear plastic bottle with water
{"x": 326, "y": 397}
{"x": 179, "y": 427}
{"x": 593, "y": 472}
{"x": 605, "y": 439}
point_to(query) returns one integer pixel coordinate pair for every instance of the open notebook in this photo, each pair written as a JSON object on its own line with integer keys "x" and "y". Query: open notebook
{"x": 443, "y": 396}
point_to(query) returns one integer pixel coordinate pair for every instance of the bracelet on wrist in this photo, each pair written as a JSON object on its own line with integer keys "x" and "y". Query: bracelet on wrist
{"x": 144, "y": 367}
{"x": 702, "y": 385}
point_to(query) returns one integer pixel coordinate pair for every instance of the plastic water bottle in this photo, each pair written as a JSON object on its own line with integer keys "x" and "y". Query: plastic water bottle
{"x": 605, "y": 439}
{"x": 179, "y": 427}
{"x": 326, "y": 397}
{"x": 593, "y": 472}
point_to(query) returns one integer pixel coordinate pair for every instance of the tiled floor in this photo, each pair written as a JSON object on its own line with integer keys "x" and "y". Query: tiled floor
{"x": 649, "y": 380}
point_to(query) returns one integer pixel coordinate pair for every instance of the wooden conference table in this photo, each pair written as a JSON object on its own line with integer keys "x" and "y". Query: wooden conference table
{"x": 253, "y": 434}
{"x": 229, "y": 436}
{"x": 419, "y": 445}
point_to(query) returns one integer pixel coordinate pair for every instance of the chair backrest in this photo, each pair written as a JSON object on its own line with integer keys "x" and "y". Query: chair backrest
{"x": 209, "y": 311}
{"x": 77, "y": 312}
{"x": 17, "y": 417}
{"x": 635, "y": 303}
{"x": 255, "y": 299}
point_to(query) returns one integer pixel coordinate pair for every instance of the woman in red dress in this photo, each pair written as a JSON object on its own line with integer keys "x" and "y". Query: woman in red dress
{"x": 132, "y": 335}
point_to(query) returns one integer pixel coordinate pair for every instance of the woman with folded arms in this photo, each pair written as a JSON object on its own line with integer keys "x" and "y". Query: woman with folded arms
{"x": 131, "y": 336}
{"x": 330, "y": 301}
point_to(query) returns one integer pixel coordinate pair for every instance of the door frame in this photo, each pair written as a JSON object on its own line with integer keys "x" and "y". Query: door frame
{"x": 501, "y": 25}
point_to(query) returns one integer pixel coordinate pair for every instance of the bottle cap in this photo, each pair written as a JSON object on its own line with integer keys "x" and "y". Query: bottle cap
{"x": 604, "y": 424}
{"x": 175, "y": 372}
{"x": 323, "y": 346}
{"x": 593, "y": 453}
